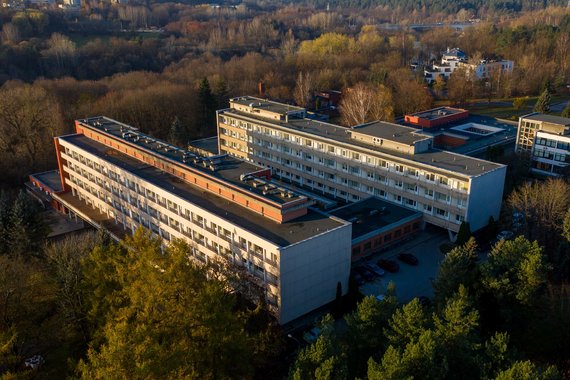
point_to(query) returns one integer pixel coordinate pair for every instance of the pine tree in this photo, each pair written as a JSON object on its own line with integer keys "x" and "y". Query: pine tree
{"x": 220, "y": 91}
{"x": 543, "y": 103}
{"x": 177, "y": 134}
{"x": 464, "y": 233}
{"x": 207, "y": 106}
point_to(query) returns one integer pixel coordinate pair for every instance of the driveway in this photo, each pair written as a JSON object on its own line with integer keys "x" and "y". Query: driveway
{"x": 411, "y": 281}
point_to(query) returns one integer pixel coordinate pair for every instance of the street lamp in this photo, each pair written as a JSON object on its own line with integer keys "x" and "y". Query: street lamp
{"x": 296, "y": 340}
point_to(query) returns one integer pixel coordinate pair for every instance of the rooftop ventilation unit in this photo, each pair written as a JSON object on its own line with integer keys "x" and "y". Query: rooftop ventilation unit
{"x": 258, "y": 183}
{"x": 245, "y": 177}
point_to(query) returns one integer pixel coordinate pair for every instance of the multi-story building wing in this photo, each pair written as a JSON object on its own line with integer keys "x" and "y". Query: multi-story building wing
{"x": 390, "y": 161}
{"x": 545, "y": 139}
{"x": 117, "y": 178}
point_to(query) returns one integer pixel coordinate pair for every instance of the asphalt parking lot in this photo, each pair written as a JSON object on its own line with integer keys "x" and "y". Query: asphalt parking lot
{"x": 410, "y": 281}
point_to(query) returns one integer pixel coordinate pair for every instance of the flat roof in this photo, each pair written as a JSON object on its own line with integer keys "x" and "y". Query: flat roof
{"x": 373, "y": 215}
{"x": 284, "y": 234}
{"x": 548, "y": 119}
{"x": 51, "y": 179}
{"x": 475, "y": 144}
{"x": 265, "y": 104}
{"x": 206, "y": 145}
{"x": 227, "y": 168}
{"x": 433, "y": 158}
{"x": 391, "y": 132}
{"x": 438, "y": 113}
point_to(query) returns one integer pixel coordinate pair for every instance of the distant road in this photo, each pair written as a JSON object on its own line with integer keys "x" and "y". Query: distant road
{"x": 453, "y": 25}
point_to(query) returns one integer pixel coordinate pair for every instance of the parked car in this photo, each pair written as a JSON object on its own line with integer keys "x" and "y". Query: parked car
{"x": 389, "y": 265}
{"x": 312, "y": 335}
{"x": 358, "y": 278}
{"x": 408, "y": 258}
{"x": 505, "y": 235}
{"x": 375, "y": 268}
{"x": 365, "y": 273}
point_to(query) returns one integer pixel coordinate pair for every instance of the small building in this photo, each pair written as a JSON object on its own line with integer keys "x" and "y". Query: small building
{"x": 42, "y": 186}
{"x": 545, "y": 139}
{"x": 377, "y": 224}
{"x": 436, "y": 117}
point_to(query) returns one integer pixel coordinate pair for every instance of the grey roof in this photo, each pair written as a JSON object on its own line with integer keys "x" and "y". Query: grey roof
{"x": 302, "y": 228}
{"x": 435, "y": 113}
{"x": 373, "y": 214}
{"x": 549, "y": 119}
{"x": 50, "y": 179}
{"x": 269, "y": 105}
{"x": 392, "y": 132}
{"x": 228, "y": 169}
{"x": 433, "y": 159}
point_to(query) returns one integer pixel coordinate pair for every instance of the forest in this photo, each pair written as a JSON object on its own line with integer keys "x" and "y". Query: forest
{"x": 166, "y": 67}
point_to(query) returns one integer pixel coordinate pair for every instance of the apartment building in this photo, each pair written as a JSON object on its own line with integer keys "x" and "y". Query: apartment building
{"x": 390, "y": 161}
{"x": 545, "y": 139}
{"x": 117, "y": 178}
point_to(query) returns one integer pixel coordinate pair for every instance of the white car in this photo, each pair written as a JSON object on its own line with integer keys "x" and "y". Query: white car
{"x": 505, "y": 235}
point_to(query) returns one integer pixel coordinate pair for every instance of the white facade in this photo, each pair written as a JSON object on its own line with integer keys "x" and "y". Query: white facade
{"x": 550, "y": 153}
{"x": 320, "y": 157}
{"x": 545, "y": 140}
{"x": 297, "y": 278}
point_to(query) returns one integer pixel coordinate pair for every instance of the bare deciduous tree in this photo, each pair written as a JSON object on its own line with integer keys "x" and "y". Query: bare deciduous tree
{"x": 544, "y": 205}
{"x": 303, "y": 89}
{"x": 363, "y": 103}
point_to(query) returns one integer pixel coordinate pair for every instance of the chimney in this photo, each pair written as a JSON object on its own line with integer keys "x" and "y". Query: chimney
{"x": 261, "y": 89}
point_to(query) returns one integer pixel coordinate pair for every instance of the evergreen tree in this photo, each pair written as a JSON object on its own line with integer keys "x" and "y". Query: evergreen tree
{"x": 458, "y": 267}
{"x": 27, "y": 229}
{"x": 324, "y": 358}
{"x": 207, "y": 102}
{"x": 170, "y": 321}
{"x": 365, "y": 328}
{"x": 177, "y": 134}
{"x": 221, "y": 93}
{"x": 464, "y": 233}
{"x": 543, "y": 103}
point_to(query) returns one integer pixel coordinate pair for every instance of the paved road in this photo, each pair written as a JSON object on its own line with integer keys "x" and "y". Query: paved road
{"x": 412, "y": 281}
{"x": 558, "y": 107}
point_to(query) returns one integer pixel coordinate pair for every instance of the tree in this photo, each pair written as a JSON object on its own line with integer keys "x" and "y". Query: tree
{"x": 463, "y": 234}
{"x": 457, "y": 335}
{"x": 439, "y": 85}
{"x": 407, "y": 324}
{"x": 60, "y": 54}
{"x": 303, "y": 89}
{"x": 519, "y": 103}
{"x": 460, "y": 86}
{"x": 207, "y": 103}
{"x": 363, "y": 103}
{"x": 174, "y": 322}
{"x": 566, "y": 111}
{"x": 544, "y": 205}
{"x": 323, "y": 359}
{"x": 64, "y": 259}
{"x": 526, "y": 370}
{"x": 29, "y": 119}
{"x": 365, "y": 328}
{"x": 543, "y": 102}
{"x": 177, "y": 135}
{"x": 459, "y": 267}
{"x": 420, "y": 359}
{"x": 26, "y": 229}
{"x": 515, "y": 271}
